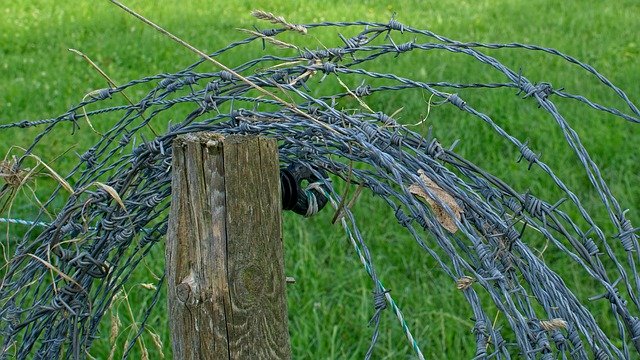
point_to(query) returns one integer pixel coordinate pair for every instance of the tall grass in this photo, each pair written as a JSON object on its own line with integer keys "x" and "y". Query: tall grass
{"x": 331, "y": 303}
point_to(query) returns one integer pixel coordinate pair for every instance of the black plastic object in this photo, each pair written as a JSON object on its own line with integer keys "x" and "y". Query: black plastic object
{"x": 294, "y": 196}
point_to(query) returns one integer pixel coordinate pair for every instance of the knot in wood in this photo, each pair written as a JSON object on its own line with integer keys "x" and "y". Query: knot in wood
{"x": 184, "y": 291}
{"x": 187, "y": 290}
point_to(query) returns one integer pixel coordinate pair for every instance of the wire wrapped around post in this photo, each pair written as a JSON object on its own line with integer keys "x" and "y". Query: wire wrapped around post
{"x": 306, "y": 201}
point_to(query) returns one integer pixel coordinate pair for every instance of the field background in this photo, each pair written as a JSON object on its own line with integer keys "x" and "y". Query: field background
{"x": 331, "y": 304}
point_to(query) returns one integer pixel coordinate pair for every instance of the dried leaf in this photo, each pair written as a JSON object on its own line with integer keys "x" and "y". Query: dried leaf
{"x": 441, "y": 214}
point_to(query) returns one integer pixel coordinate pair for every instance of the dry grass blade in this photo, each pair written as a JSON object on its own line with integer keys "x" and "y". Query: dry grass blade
{"x": 270, "y": 39}
{"x": 264, "y": 15}
{"x": 288, "y": 63}
{"x": 441, "y": 214}
{"x": 53, "y": 174}
{"x": 192, "y": 48}
{"x": 112, "y": 84}
{"x": 304, "y": 76}
{"x": 362, "y": 103}
{"x": 429, "y": 103}
{"x": 56, "y": 270}
{"x": 112, "y": 192}
{"x": 134, "y": 327}
{"x": 84, "y": 111}
{"x": 341, "y": 210}
{"x": 338, "y": 212}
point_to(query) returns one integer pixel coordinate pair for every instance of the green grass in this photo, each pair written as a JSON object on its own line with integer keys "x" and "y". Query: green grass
{"x": 330, "y": 304}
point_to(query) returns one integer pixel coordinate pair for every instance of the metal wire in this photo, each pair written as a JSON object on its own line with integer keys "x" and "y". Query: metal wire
{"x": 44, "y": 314}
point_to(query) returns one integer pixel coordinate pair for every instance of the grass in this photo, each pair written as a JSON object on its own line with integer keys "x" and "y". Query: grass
{"x": 330, "y": 304}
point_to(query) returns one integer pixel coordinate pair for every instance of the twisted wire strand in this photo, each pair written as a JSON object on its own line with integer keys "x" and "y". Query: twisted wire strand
{"x": 486, "y": 246}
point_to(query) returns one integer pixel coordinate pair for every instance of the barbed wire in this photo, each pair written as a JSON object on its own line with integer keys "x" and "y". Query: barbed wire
{"x": 461, "y": 215}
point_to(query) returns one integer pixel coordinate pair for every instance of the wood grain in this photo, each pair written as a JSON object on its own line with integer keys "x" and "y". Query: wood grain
{"x": 225, "y": 268}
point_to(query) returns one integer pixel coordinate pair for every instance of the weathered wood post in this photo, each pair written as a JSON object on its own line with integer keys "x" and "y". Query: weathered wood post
{"x": 224, "y": 257}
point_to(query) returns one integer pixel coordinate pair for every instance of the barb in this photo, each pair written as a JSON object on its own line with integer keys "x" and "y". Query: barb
{"x": 106, "y": 93}
{"x": 290, "y": 106}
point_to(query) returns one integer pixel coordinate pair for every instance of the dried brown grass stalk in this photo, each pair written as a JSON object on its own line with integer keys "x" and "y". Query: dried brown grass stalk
{"x": 134, "y": 326}
{"x": 358, "y": 99}
{"x": 112, "y": 192}
{"x": 267, "y": 16}
{"x": 157, "y": 341}
{"x": 115, "y": 331}
{"x": 56, "y": 270}
{"x": 553, "y": 324}
{"x": 270, "y": 39}
{"x": 112, "y": 84}
{"x": 192, "y": 48}
{"x": 53, "y": 174}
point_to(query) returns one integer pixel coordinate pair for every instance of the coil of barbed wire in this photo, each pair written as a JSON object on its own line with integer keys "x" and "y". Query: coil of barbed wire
{"x": 467, "y": 219}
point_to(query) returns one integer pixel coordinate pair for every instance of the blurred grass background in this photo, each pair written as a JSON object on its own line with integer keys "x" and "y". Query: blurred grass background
{"x": 330, "y": 305}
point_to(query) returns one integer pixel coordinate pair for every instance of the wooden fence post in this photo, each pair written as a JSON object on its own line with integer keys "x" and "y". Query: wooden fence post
{"x": 224, "y": 257}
